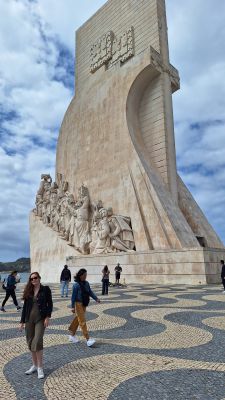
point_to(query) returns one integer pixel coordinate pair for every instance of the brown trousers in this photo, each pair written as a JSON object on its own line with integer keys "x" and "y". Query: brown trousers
{"x": 79, "y": 320}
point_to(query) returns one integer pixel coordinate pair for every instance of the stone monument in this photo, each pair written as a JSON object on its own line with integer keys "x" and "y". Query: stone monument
{"x": 117, "y": 196}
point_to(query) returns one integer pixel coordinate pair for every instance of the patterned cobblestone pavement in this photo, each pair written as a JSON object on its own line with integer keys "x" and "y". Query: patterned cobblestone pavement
{"x": 152, "y": 342}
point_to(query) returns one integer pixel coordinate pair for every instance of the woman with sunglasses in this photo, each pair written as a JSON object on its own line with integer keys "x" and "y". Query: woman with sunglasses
{"x": 37, "y": 310}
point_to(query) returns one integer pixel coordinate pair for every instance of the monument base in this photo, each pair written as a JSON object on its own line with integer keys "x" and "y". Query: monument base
{"x": 187, "y": 266}
{"x": 194, "y": 266}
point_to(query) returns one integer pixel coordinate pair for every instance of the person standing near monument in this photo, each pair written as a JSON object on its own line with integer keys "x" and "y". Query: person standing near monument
{"x": 105, "y": 280}
{"x": 223, "y": 274}
{"x": 37, "y": 310}
{"x": 118, "y": 270}
{"x": 10, "y": 291}
{"x": 80, "y": 299}
{"x": 65, "y": 279}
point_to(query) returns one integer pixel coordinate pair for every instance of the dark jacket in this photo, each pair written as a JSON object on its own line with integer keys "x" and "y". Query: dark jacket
{"x": 65, "y": 275}
{"x": 11, "y": 283}
{"x": 44, "y": 301}
{"x": 223, "y": 272}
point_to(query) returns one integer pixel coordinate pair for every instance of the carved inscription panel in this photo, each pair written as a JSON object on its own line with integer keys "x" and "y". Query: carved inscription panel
{"x": 110, "y": 49}
{"x": 101, "y": 51}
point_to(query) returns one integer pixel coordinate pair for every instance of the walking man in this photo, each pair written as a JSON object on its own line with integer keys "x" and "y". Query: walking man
{"x": 223, "y": 273}
{"x": 10, "y": 290}
{"x": 65, "y": 279}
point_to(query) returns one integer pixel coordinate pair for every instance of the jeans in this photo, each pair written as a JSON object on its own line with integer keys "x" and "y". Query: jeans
{"x": 105, "y": 286}
{"x": 10, "y": 292}
{"x": 79, "y": 320}
{"x": 64, "y": 285}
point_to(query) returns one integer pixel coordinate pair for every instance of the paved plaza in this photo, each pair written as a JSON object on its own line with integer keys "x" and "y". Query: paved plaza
{"x": 153, "y": 342}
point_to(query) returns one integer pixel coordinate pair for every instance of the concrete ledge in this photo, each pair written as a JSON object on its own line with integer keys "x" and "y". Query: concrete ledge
{"x": 188, "y": 266}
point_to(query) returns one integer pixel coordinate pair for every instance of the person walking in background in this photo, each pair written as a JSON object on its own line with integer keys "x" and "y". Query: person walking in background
{"x": 65, "y": 279}
{"x": 118, "y": 271}
{"x": 80, "y": 299}
{"x": 37, "y": 310}
{"x": 223, "y": 274}
{"x": 105, "y": 280}
{"x": 10, "y": 291}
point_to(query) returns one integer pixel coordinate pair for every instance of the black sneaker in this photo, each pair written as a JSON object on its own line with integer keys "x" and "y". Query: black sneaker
{"x": 19, "y": 308}
{"x": 2, "y": 309}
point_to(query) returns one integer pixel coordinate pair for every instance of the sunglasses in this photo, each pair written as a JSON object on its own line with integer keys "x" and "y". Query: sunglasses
{"x": 34, "y": 278}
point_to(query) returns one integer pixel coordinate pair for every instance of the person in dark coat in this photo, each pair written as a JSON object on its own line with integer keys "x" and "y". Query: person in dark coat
{"x": 223, "y": 273}
{"x": 37, "y": 310}
{"x": 65, "y": 279}
{"x": 10, "y": 291}
{"x": 105, "y": 280}
{"x": 118, "y": 270}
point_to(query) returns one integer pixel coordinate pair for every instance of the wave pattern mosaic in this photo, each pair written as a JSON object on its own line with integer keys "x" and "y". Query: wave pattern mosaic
{"x": 152, "y": 342}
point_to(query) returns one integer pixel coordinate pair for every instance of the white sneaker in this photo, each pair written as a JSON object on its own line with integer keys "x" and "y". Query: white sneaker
{"x": 40, "y": 373}
{"x": 31, "y": 370}
{"x": 73, "y": 339}
{"x": 90, "y": 342}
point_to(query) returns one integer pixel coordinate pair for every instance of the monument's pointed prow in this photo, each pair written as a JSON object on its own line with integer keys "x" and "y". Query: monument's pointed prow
{"x": 117, "y": 195}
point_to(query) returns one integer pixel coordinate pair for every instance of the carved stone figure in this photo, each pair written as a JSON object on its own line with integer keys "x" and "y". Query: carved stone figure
{"x": 46, "y": 200}
{"x": 38, "y": 205}
{"x": 103, "y": 231}
{"x": 89, "y": 228}
{"x": 44, "y": 212}
{"x": 62, "y": 215}
{"x": 71, "y": 228}
{"x": 81, "y": 235}
{"x": 53, "y": 205}
{"x": 96, "y": 214}
{"x": 121, "y": 235}
{"x": 62, "y": 185}
{"x": 45, "y": 184}
{"x": 55, "y": 218}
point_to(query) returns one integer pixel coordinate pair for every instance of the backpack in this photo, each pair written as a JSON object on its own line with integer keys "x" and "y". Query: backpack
{"x": 67, "y": 275}
{"x": 4, "y": 287}
{"x": 85, "y": 295}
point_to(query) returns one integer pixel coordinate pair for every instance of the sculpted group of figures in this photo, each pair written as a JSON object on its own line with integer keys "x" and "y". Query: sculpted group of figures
{"x": 87, "y": 226}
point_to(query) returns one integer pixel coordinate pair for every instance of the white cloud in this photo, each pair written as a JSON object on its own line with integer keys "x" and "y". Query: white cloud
{"x": 19, "y": 176}
{"x": 74, "y": 12}
{"x": 33, "y": 101}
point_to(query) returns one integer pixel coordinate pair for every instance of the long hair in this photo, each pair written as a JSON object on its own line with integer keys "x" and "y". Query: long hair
{"x": 81, "y": 272}
{"x": 29, "y": 288}
{"x": 13, "y": 272}
{"x": 105, "y": 269}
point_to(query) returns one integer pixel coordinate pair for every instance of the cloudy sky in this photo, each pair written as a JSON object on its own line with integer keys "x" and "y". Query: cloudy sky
{"x": 37, "y": 83}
